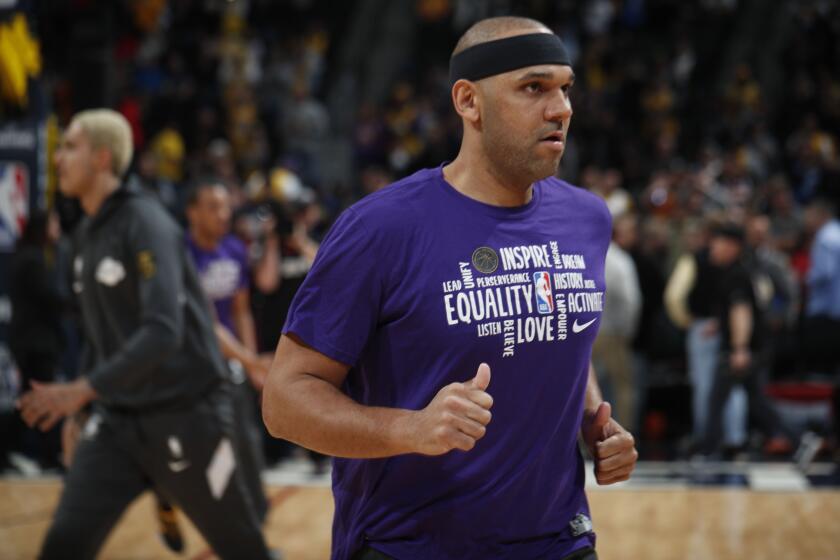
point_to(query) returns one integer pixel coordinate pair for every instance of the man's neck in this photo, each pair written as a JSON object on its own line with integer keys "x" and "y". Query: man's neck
{"x": 476, "y": 178}
{"x": 202, "y": 241}
{"x": 103, "y": 187}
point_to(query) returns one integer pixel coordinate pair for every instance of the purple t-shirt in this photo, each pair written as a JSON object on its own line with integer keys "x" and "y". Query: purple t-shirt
{"x": 222, "y": 272}
{"x": 414, "y": 287}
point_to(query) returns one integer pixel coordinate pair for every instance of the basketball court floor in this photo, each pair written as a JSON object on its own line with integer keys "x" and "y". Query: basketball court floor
{"x": 668, "y": 511}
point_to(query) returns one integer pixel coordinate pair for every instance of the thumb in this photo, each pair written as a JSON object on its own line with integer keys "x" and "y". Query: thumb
{"x": 481, "y": 379}
{"x": 601, "y": 417}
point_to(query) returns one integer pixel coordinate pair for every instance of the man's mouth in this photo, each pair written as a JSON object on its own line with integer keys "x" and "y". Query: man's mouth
{"x": 555, "y": 139}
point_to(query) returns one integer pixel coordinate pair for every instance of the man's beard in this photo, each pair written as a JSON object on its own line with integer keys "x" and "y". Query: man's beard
{"x": 518, "y": 162}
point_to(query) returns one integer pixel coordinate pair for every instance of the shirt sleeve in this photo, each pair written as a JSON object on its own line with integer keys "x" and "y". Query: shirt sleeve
{"x": 740, "y": 288}
{"x": 824, "y": 266}
{"x": 337, "y": 307}
{"x": 678, "y": 289}
{"x": 156, "y": 251}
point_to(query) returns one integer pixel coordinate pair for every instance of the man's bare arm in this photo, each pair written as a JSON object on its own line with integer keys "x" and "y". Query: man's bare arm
{"x": 303, "y": 403}
{"x": 593, "y": 397}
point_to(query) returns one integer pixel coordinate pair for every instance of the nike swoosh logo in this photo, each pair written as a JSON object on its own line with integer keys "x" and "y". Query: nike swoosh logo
{"x": 178, "y": 466}
{"x": 578, "y": 328}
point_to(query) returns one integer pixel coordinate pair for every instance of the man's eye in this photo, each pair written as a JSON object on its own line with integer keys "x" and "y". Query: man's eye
{"x": 534, "y": 87}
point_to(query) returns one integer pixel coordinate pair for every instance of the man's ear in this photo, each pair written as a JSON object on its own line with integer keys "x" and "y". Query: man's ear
{"x": 466, "y": 99}
{"x": 103, "y": 158}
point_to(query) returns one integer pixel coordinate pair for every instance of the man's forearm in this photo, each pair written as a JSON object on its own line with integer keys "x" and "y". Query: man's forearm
{"x": 119, "y": 377}
{"x": 247, "y": 331}
{"x": 266, "y": 273}
{"x": 593, "y": 396}
{"x": 243, "y": 320}
{"x": 313, "y": 413}
{"x": 740, "y": 324}
{"x": 232, "y": 348}
{"x": 85, "y": 391}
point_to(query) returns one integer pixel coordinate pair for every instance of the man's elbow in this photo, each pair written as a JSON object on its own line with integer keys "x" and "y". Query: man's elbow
{"x": 165, "y": 336}
{"x": 266, "y": 283}
{"x": 172, "y": 342}
{"x": 271, "y": 411}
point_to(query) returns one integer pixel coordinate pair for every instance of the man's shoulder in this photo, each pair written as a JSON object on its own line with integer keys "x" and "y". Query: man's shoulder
{"x": 830, "y": 234}
{"x": 233, "y": 245}
{"x": 563, "y": 191}
{"x": 579, "y": 201}
{"x": 400, "y": 200}
{"x": 143, "y": 208}
{"x": 140, "y": 201}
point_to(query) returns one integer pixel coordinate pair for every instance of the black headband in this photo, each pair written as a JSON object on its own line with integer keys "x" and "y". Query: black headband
{"x": 504, "y": 55}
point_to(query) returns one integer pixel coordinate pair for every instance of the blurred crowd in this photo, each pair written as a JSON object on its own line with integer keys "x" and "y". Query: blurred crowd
{"x": 707, "y": 163}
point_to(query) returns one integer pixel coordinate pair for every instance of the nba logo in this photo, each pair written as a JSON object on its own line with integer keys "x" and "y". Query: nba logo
{"x": 542, "y": 291}
{"x": 14, "y": 202}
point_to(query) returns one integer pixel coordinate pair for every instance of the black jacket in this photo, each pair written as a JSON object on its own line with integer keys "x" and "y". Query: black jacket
{"x": 701, "y": 298}
{"x": 148, "y": 325}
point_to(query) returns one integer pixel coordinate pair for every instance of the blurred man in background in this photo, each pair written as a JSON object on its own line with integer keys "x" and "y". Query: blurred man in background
{"x": 36, "y": 339}
{"x": 612, "y": 353}
{"x": 162, "y": 415}
{"x": 743, "y": 357}
{"x": 821, "y": 327}
{"x": 221, "y": 261}
{"x": 689, "y": 300}
{"x": 821, "y": 324}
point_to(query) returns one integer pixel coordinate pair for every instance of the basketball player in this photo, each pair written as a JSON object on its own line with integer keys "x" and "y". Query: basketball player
{"x": 458, "y": 295}
{"x": 221, "y": 261}
{"x": 162, "y": 416}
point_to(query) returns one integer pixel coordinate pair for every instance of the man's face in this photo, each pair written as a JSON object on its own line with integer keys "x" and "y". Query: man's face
{"x": 626, "y": 233}
{"x": 813, "y": 218}
{"x": 210, "y": 214}
{"x": 525, "y": 119}
{"x": 75, "y": 161}
{"x": 758, "y": 231}
{"x": 723, "y": 251}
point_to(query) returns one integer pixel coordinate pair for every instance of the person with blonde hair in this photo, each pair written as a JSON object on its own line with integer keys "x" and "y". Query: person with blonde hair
{"x": 161, "y": 413}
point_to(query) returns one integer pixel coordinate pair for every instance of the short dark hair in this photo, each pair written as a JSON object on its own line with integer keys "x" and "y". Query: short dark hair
{"x": 729, "y": 230}
{"x": 197, "y": 187}
{"x": 823, "y": 204}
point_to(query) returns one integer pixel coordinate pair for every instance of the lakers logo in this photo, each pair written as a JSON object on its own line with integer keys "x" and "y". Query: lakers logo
{"x": 485, "y": 260}
{"x": 146, "y": 264}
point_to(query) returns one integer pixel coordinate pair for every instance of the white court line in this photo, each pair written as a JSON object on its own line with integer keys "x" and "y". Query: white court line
{"x": 777, "y": 478}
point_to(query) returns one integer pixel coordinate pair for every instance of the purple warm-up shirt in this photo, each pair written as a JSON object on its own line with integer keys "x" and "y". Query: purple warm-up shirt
{"x": 222, "y": 272}
{"x": 414, "y": 287}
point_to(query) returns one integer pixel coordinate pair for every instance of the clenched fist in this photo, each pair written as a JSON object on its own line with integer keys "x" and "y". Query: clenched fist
{"x": 457, "y": 417}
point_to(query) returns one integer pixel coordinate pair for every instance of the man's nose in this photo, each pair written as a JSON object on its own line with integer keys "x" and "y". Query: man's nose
{"x": 560, "y": 107}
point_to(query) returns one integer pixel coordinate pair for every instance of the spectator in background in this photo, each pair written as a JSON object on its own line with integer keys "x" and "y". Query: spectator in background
{"x": 305, "y": 127}
{"x": 149, "y": 178}
{"x": 612, "y": 353}
{"x": 36, "y": 339}
{"x": 650, "y": 258}
{"x": 821, "y": 324}
{"x": 222, "y": 264}
{"x": 743, "y": 344}
{"x": 690, "y": 300}
{"x": 608, "y": 187}
{"x": 291, "y": 245}
{"x": 776, "y": 287}
{"x": 785, "y": 216}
